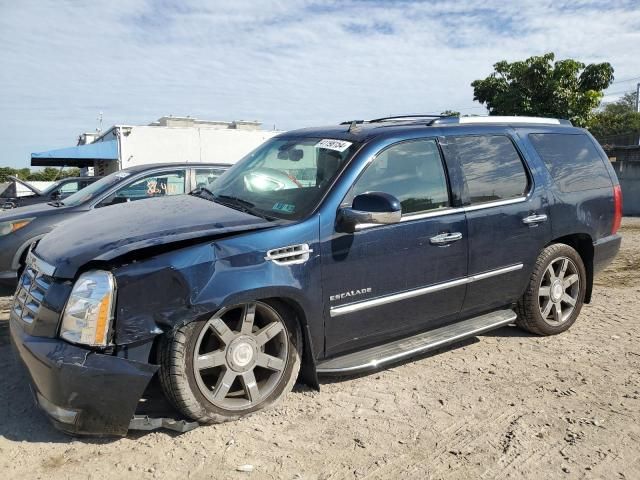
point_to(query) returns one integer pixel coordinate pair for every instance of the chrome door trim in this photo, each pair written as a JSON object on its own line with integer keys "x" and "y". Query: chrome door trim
{"x": 448, "y": 211}
{"x": 396, "y": 297}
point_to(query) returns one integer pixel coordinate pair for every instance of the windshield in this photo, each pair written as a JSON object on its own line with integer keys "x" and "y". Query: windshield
{"x": 283, "y": 178}
{"x": 95, "y": 189}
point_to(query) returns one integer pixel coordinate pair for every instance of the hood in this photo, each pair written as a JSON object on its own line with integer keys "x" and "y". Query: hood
{"x": 106, "y": 233}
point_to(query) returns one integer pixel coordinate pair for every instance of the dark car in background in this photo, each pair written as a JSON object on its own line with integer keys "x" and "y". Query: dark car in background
{"x": 22, "y": 227}
{"x": 333, "y": 250}
{"x": 60, "y": 190}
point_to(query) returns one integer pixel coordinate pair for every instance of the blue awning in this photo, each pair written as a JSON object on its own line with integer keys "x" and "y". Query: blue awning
{"x": 80, "y": 156}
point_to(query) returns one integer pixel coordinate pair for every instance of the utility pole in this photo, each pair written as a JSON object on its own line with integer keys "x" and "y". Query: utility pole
{"x": 638, "y": 98}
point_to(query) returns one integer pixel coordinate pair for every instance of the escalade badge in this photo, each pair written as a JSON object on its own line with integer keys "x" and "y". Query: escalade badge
{"x": 350, "y": 293}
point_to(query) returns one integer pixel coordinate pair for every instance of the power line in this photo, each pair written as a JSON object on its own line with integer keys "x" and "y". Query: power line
{"x": 626, "y": 80}
{"x": 621, "y": 92}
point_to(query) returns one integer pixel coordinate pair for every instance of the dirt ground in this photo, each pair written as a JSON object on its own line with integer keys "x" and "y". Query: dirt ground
{"x": 507, "y": 405}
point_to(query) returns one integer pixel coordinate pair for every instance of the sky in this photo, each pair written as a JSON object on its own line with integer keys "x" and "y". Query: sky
{"x": 289, "y": 64}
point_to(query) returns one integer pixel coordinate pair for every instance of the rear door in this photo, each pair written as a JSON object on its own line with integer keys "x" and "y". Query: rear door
{"x": 507, "y": 218}
{"x": 384, "y": 281}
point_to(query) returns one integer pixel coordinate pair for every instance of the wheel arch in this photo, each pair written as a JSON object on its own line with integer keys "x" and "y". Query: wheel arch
{"x": 583, "y": 244}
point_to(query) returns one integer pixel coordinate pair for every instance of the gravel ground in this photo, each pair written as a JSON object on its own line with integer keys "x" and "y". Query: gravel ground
{"x": 505, "y": 405}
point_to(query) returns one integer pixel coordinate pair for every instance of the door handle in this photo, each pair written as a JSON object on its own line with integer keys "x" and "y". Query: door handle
{"x": 445, "y": 238}
{"x": 534, "y": 219}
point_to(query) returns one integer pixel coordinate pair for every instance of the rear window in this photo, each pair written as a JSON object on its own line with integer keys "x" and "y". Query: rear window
{"x": 492, "y": 168}
{"x": 572, "y": 160}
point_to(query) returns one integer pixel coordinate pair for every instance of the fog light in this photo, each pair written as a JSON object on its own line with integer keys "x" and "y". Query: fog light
{"x": 60, "y": 414}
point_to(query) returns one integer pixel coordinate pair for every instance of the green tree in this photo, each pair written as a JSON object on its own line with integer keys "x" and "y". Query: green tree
{"x": 540, "y": 86}
{"x": 617, "y": 123}
{"x": 450, "y": 113}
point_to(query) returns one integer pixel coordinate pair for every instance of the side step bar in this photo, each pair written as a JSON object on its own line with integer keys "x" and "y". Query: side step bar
{"x": 381, "y": 355}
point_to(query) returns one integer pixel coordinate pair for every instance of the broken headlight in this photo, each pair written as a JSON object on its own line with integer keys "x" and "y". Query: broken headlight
{"x": 89, "y": 312}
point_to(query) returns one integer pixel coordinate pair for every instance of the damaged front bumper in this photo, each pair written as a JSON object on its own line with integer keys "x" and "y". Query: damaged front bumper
{"x": 82, "y": 391}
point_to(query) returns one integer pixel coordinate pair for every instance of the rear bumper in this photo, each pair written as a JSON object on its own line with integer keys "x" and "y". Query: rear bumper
{"x": 83, "y": 392}
{"x": 604, "y": 251}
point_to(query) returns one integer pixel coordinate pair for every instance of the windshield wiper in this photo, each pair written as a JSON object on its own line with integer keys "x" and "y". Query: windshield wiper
{"x": 198, "y": 192}
{"x": 242, "y": 205}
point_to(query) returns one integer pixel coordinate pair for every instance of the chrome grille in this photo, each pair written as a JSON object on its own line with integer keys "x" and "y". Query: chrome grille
{"x": 32, "y": 287}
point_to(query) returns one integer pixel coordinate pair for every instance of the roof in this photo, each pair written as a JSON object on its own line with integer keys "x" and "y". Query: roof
{"x": 150, "y": 166}
{"x": 77, "y": 156}
{"x": 362, "y": 131}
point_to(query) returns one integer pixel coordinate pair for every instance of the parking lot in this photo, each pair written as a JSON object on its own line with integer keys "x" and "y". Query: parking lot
{"x": 505, "y": 405}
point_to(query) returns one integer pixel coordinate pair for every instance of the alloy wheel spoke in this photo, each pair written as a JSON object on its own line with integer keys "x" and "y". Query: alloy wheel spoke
{"x": 570, "y": 280}
{"x": 547, "y": 309}
{"x": 557, "y": 312}
{"x": 563, "y": 268}
{"x": 269, "y": 361}
{"x": 250, "y": 385}
{"x": 551, "y": 273}
{"x": 211, "y": 359}
{"x": 265, "y": 334}
{"x": 222, "y": 331}
{"x": 248, "y": 317}
{"x": 544, "y": 291}
{"x": 223, "y": 385}
{"x": 569, "y": 299}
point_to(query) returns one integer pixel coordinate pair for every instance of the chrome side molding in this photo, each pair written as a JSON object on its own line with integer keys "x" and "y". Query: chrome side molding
{"x": 396, "y": 297}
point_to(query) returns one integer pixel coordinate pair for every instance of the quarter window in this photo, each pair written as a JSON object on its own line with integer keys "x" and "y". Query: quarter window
{"x": 492, "y": 168}
{"x": 410, "y": 171}
{"x": 572, "y": 160}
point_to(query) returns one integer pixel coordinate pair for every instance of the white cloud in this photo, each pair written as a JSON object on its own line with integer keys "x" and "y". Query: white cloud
{"x": 286, "y": 63}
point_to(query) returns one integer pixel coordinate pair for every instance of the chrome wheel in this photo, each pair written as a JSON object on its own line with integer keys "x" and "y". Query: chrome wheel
{"x": 559, "y": 291}
{"x": 240, "y": 355}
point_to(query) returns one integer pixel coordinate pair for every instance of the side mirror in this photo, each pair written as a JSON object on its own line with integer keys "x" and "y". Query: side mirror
{"x": 56, "y": 195}
{"x": 372, "y": 208}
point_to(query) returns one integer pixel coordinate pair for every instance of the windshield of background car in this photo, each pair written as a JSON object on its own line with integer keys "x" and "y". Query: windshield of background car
{"x": 96, "y": 188}
{"x": 284, "y": 178}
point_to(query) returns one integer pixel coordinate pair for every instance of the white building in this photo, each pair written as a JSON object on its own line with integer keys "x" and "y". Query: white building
{"x": 169, "y": 139}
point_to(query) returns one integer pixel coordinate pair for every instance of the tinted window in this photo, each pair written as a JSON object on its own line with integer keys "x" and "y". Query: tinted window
{"x": 410, "y": 171}
{"x": 492, "y": 168}
{"x": 572, "y": 160}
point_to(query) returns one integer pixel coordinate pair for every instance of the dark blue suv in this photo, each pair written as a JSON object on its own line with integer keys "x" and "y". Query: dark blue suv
{"x": 325, "y": 251}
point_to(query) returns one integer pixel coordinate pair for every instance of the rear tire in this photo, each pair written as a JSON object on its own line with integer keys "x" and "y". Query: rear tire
{"x": 555, "y": 294}
{"x": 241, "y": 360}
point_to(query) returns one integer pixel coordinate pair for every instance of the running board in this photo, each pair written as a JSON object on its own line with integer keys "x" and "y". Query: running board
{"x": 381, "y": 355}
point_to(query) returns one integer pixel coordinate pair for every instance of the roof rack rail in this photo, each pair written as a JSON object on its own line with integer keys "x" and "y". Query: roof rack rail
{"x": 500, "y": 119}
{"x": 404, "y": 117}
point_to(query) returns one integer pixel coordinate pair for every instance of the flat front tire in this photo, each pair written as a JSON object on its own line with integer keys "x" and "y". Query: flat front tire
{"x": 555, "y": 294}
{"x": 241, "y": 360}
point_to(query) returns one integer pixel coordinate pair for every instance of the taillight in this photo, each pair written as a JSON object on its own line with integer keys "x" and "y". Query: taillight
{"x": 617, "y": 208}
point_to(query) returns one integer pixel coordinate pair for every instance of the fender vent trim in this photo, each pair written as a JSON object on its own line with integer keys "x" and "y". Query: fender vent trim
{"x": 291, "y": 255}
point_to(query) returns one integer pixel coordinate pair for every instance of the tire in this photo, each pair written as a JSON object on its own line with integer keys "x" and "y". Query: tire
{"x": 218, "y": 369}
{"x": 546, "y": 307}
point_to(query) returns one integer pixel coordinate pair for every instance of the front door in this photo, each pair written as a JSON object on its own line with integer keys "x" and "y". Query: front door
{"x": 388, "y": 280}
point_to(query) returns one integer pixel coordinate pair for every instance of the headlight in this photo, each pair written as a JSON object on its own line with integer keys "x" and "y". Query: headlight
{"x": 89, "y": 312}
{"x": 9, "y": 227}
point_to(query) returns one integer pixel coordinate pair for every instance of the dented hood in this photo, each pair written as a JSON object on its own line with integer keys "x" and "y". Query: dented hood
{"x": 106, "y": 233}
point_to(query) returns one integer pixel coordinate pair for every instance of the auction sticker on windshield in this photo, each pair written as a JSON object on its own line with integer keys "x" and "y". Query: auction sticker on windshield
{"x": 283, "y": 207}
{"x": 330, "y": 144}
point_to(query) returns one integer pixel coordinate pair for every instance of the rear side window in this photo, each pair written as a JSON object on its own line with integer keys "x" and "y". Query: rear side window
{"x": 491, "y": 166}
{"x": 572, "y": 160}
